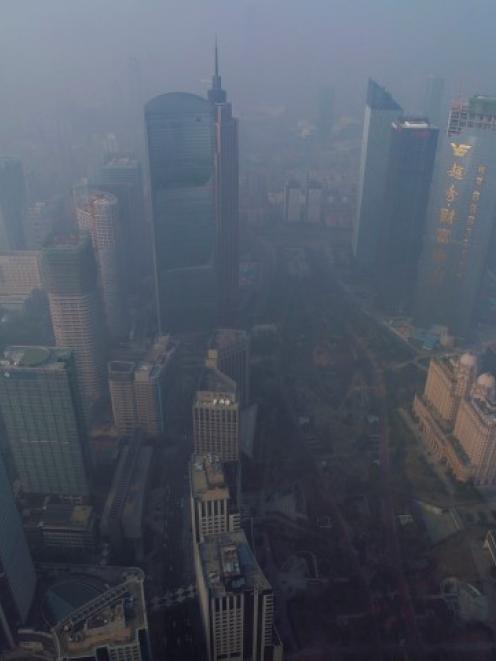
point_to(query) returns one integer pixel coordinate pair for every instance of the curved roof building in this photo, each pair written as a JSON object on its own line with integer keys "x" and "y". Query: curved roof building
{"x": 180, "y": 140}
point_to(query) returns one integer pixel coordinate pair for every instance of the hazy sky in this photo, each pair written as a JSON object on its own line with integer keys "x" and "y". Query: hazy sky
{"x": 59, "y": 52}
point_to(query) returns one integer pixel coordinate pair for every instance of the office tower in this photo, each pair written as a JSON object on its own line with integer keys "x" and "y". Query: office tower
{"x": 122, "y": 176}
{"x": 216, "y": 417}
{"x": 98, "y": 214}
{"x": 19, "y": 272}
{"x": 139, "y": 390}
{"x": 433, "y": 100}
{"x": 293, "y": 202}
{"x": 17, "y": 575}
{"x": 12, "y": 204}
{"x": 460, "y": 222}
{"x": 42, "y": 414}
{"x": 41, "y": 219}
{"x": 325, "y": 117}
{"x": 229, "y": 352}
{"x": 314, "y": 202}
{"x": 180, "y": 132}
{"x": 226, "y": 168}
{"x": 70, "y": 278}
{"x": 380, "y": 111}
{"x": 457, "y": 418}
{"x": 236, "y": 601}
{"x": 214, "y": 506}
{"x": 411, "y": 162}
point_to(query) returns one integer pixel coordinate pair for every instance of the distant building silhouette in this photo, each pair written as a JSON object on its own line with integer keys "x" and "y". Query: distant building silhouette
{"x": 433, "y": 100}
{"x": 12, "y": 204}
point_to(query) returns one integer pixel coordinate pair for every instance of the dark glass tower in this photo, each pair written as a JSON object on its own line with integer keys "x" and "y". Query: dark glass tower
{"x": 226, "y": 167}
{"x": 433, "y": 99}
{"x": 461, "y": 219}
{"x": 180, "y": 133}
{"x": 381, "y": 110}
{"x": 411, "y": 162}
{"x": 12, "y": 204}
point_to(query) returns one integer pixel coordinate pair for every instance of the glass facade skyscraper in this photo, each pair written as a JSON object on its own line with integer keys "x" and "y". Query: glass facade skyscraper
{"x": 180, "y": 132}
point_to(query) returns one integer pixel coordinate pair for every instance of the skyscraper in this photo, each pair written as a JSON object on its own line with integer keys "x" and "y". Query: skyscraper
{"x": 411, "y": 161}
{"x": 17, "y": 575}
{"x": 42, "y": 413}
{"x": 433, "y": 99}
{"x": 381, "y": 110}
{"x": 461, "y": 220}
{"x": 122, "y": 176}
{"x": 98, "y": 214}
{"x": 12, "y": 204}
{"x": 216, "y": 417}
{"x": 226, "y": 163}
{"x": 325, "y": 117}
{"x": 180, "y": 132}
{"x": 229, "y": 352}
{"x": 70, "y": 278}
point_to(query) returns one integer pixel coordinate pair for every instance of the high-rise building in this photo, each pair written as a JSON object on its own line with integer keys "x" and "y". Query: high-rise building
{"x": 180, "y": 132}
{"x": 70, "y": 278}
{"x": 44, "y": 424}
{"x": 229, "y": 352}
{"x": 314, "y": 202}
{"x": 325, "y": 117}
{"x": 461, "y": 220}
{"x": 293, "y": 202}
{"x": 17, "y": 575}
{"x": 122, "y": 176}
{"x": 411, "y": 162}
{"x": 139, "y": 390}
{"x": 226, "y": 166}
{"x": 19, "y": 272}
{"x": 433, "y": 100}
{"x": 381, "y": 110}
{"x": 98, "y": 214}
{"x": 236, "y": 601}
{"x": 214, "y": 507}
{"x": 456, "y": 414}
{"x": 12, "y": 204}
{"x": 216, "y": 417}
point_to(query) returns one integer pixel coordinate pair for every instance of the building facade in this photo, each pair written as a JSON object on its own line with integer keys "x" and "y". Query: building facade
{"x": 216, "y": 417}
{"x": 17, "y": 574}
{"x": 70, "y": 278}
{"x": 98, "y": 214}
{"x": 410, "y": 167}
{"x": 460, "y": 225}
{"x": 380, "y": 112}
{"x": 180, "y": 134}
{"x": 45, "y": 428}
{"x": 433, "y": 100}
{"x": 229, "y": 352}
{"x": 12, "y": 204}
{"x": 19, "y": 272}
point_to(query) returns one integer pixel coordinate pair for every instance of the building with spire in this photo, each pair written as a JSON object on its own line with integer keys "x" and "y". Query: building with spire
{"x": 226, "y": 169}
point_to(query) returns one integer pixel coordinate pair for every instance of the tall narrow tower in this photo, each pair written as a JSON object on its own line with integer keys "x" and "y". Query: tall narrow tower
{"x": 226, "y": 167}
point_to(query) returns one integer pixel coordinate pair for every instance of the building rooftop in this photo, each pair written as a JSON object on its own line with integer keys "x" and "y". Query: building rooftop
{"x": 34, "y": 356}
{"x": 207, "y": 478}
{"x": 112, "y": 618}
{"x": 62, "y": 516}
{"x": 214, "y": 384}
{"x": 229, "y": 564}
{"x": 225, "y": 337}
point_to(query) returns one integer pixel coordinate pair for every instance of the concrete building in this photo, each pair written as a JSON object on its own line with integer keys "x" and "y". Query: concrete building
{"x": 122, "y": 176}
{"x": 214, "y": 505}
{"x": 314, "y": 203}
{"x": 98, "y": 214}
{"x": 139, "y": 390}
{"x": 19, "y": 275}
{"x": 113, "y": 625}
{"x": 380, "y": 111}
{"x": 229, "y": 352}
{"x": 216, "y": 417}
{"x": 226, "y": 168}
{"x": 70, "y": 278}
{"x": 62, "y": 528}
{"x": 460, "y": 221}
{"x": 41, "y": 217}
{"x": 12, "y": 204}
{"x": 17, "y": 575}
{"x": 180, "y": 135}
{"x": 294, "y": 203}
{"x": 457, "y": 418}
{"x": 45, "y": 428}
{"x": 236, "y": 601}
